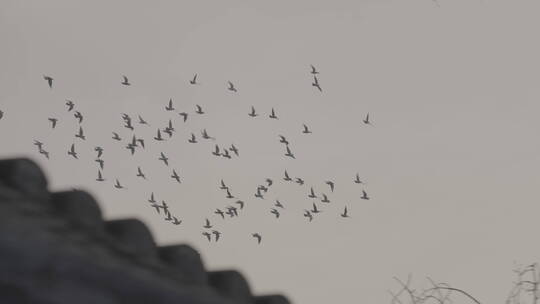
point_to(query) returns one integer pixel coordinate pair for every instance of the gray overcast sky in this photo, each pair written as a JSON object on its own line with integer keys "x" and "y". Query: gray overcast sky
{"x": 452, "y": 163}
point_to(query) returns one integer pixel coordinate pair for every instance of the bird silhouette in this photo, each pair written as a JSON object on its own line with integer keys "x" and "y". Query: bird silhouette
{"x": 2, "y": 115}
{"x": 275, "y": 212}
{"x": 176, "y": 221}
{"x": 287, "y": 178}
{"x": 216, "y": 151}
{"x": 233, "y": 210}
{"x": 208, "y": 236}
{"x": 117, "y": 185}
{"x": 231, "y": 87}
{"x": 220, "y": 213}
{"x": 234, "y": 150}
{"x": 270, "y": 182}
{"x": 207, "y": 224}
{"x": 49, "y": 80}
{"x": 229, "y": 195}
{"x": 72, "y": 151}
{"x": 158, "y": 136}
{"x": 217, "y": 234}
{"x": 125, "y": 81}
{"x": 366, "y": 120}
{"x": 314, "y": 210}
{"x": 175, "y": 176}
{"x": 169, "y": 216}
{"x": 194, "y": 80}
{"x": 141, "y": 142}
{"x": 53, "y": 122}
{"x": 101, "y": 162}
{"x": 46, "y": 153}
{"x": 157, "y": 207}
{"x": 313, "y": 70}
{"x": 289, "y": 153}
{"x": 316, "y": 83}
{"x": 205, "y": 135}
{"x": 184, "y": 115}
{"x": 140, "y": 173}
{"x": 252, "y": 113}
{"x": 279, "y": 204}
{"x": 357, "y": 179}
{"x": 331, "y": 184}
{"x": 99, "y": 150}
{"x": 345, "y": 214}
{"x": 100, "y": 177}
{"x": 306, "y": 130}
{"x": 240, "y": 203}
{"x": 192, "y": 140}
{"x": 283, "y": 140}
{"x": 299, "y": 181}
{"x": 312, "y": 193}
{"x": 131, "y": 147}
{"x": 258, "y": 194}
{"x": 38, "y": 144}
{"x": 152, "y": 199}
{"x": 70, "y": 105}
{"x": 164, "y": 159}
{"x": 257, "y": 236}
{"x": 325, "y": 199}
{"x": 169, "y": 107}
{"x": 364, "y": 195}
{"x": 226, "y": 154}
{"x": 142, "y": 121}
{"x": 79, "y": 116}
{"x": 273, "y": 114}
{"x": 223, "y": 186}
{"x": 199, "y": 109}
{"x": 116, "y": 136}
{"x": 308, "y": 214}
{"x": 80, "y": 134}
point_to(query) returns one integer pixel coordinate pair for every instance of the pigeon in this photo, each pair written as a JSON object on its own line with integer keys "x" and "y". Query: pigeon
{"x": 219, "y": 212}
{"x": 176, "y": 221}
{"x": 194, "y": 80}
{"x": 207, "y": 225}
{"x": 152, "y": 199}
{"x": 169, "y": 215}
{"x": 279, "y": 204}
{"x": 126, "y": 81}
{"x": 366, "y": 120}
{"x": 316, "y": 83}
{"x": 117, "y": 185}
{"x": 99, "y": 150}
{"x": 313, "y": 70}
{"x": 345, "y": 214}
{"x": 306, "y": 130}
{"x": 52, "y": 120}
{"x": 226, "y": 154}
{"x": 216, "y": 151}
{"x": 257, "y": 236}
{"x": 49, "y": 80}
{"x": 273, "y": 114}
{"x": 72, "y": 151}
{"x": 81, "y": 134}
{"x": 158, "y": 137}
{"x": 283, "y": 140}
{"x": 275, "y": 212}
{"x": 116, "y": 136}
{"x": 357, "y": 179}
{"x": 70, "y": 105}
{"x": 170, "y": 126}
{"x": 299, "y": 181}
{"x": 208, "y": 236}
{"x": 287, "y": 178}
{"x": 325, "y": 199}
{"x": 308, "y": 214}
{"x": 217, "y": 234}
{"x": 252, "y": 113}
{"x": 231, "y": 87}
{"x": 331, "y": 184}
{"x": 315, "y": 210}
{"x": 312, "y": 193}
{"x": 364, "y": 195}
{"x": 175, "y": 176}
{"x": 101, "y": 162}
{"x": 169, "y": 107}
{"x": 205, "y": 135}
{"x": 142, "y": 121}
{"x": 164, "y": 159}
{"x": 100, "y": 177}
{"x": 79, "y": 116}
{"x": 184, "y": 115}
{"x": 289, "y": 153}
{"x": 241, "y": 204}
{"x": 140, "y": 173}
{"x": 234, "y": 150}
{"x": 192, "y": 140}
{"x": 199, "y": 110}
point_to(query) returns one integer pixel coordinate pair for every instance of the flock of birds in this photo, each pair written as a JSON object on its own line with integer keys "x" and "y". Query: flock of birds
{"x": 229, "y": 151}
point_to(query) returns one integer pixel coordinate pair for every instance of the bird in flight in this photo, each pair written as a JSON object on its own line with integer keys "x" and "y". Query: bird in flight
{"x": 283, "y": 140}
{"x": 194, "y": 80}
{"x": 142, "y": 121}
{"x": 164, "y": 159}
{"x": 49, "y": 80}
{"x": 46, "y": 153}
{"x": 252, "y": 113}
{"x": 140, "y": 173}
{"x": 100, "y": 177}
{"x": 357, "y": 179}
{"x": 299, "y": 181}
{"x": 313, "y": 70}
{"x": 279, "y": 204}
{"x": 99, "y": 150}
{"x": 315, "y": 210}
{"x": 176, "y": 221}
{"x": 184, "y": 115}
{"x": 72, "y": 151}
{"x": 169, "y": 107}
{"x": 169, "y": 215}
{"x": 101, "y": 162}
{"x": 240, "y": 203}
{"x": 207, "y": 235}
{"x": 275, "y": 212}
{"x": 273, "y": 114}
{"x": 216, "y": 234}
{"x": 289, "y": 153}
{"x": 287, "y": 177}
{"x": 207, "y": 224}
{"x": 52, "y": 120}
{"x": 364, "y": 195}
{"x": 205, "y": 135}
{"x": 219, "y": 212}
{"x": 306, "y": 130}
{"x": 79, "y": 116}
{"x": 345, "y": 214}
{"x": 231, "y": 87}
{"x": 158, "y": 137}
{"x": 223, "y": 186}
{"x": 270, "y": 182}
{"x": 226, "y": 154}
{"x": 331, "y": 184}
{"x": 216, "y": 151}
{"x": 312, "y": 193}
{"x": 38, "y": 144}
{"x": 257, "y": 236}
{"x": 259, "y": 194}
{"x": 325, "y": 199}
{"x": 366, "y": 120}
{"x": 308, "y": 214}
{"x": 140, "y": 141}
{"x": 1, "y": 114}
{"x": 152, "y": 199}
{"x": 175, "y": 176}
{"x": 125, "y": 81}
{"x": 116, "y": 136}
{"x": 229, "y": 195}
{"x": 70, "y": 105}
{"x": 192, "y": 140}
{"x": 80, "y": 134}
{"x": 316, "y": 83}
{"x": 117, "y": 185}
{"x": 199, "y": 109}
{"x": 234, "y": 149}
{"x": 232, "y": 211}
{"x": 131, "y": 147}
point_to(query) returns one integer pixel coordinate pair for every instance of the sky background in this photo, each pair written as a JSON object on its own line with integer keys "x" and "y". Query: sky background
{"x": 451, "y": 163}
